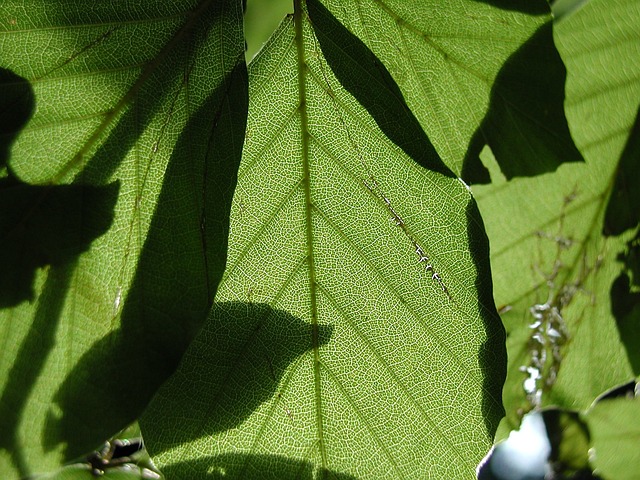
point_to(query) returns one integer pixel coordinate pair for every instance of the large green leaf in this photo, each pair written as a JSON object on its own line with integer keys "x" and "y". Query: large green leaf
{"x": 354, "y": 334}
{"x": 553, "y": 258}
{"x": 110, "y": 266}
{"x": 473, "y": 72}
{"x": 615, "y": 432}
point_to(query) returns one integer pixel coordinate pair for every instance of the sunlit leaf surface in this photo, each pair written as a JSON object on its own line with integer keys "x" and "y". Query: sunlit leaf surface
{"x": 354, "y": 334}
{"x": 556, "y": 267}
{"x": 473, "y": 72}
{"x": 115, "y": 208}
{"x": 614, "y": 426}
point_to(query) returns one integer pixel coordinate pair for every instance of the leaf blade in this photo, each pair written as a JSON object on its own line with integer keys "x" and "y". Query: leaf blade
{"x": 465, "y": 71}
{"x": 548, "y": 250}
{"x": 130, "y": 299}
{"x": 403, "y": 349}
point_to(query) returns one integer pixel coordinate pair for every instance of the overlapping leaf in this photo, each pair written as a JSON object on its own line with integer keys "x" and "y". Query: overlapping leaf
{"x": 473, "y": 72}
{"x": 615, "y": 430}
{"x": 109, "y": 267}
{"x": 354, "y": 334}
{"x": 555, "y": 266}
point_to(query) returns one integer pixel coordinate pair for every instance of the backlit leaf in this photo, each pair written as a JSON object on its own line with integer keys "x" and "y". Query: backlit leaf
{"x": 555, "y": 272}
{"x": 115, "y": 208}
{"x": 354, "y": 334}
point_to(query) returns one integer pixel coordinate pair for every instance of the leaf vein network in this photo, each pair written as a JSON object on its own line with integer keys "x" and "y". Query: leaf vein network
{"x": 265, "y": 224}
{"x": 270, "y": 416}
{"x": 385, "y": 282}
{"x": 428, "y": 419}
{"x": 427, "y": 38}
{"x": 364, "y": 421}
{"x": 277, "y": 131}
{"x": 340, "y": 165}
{"x": 373, "y": 132}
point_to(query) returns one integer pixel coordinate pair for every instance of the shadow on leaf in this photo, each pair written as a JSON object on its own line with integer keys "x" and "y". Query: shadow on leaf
{"x": 525, "y": 125}
{"x": 233, "y": 366}
{"x": 249, "y": 467}
{"x": 180, "y": 266}
{"x": 47, "y": 225}
{"x": 492, "y": 357}
{"x": 366, "y": 78}
{"x": 623, "y": 209}
{"x": 47, "y": 234}
{"x": 532, "y": 7}
{"x": 30, "y": 360}
{"x": 40, "y": 227}
{"x": 625, "y": 301}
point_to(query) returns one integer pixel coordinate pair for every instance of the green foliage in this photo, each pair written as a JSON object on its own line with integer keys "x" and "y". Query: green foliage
{"x": 110, "y": 263}
{"x": 144, "y": 171}
{"x": 615, "y": 430}
{"x": 380, "y": 330}
{"x": 574, "y": 234}
{"x": 556, "y": 226}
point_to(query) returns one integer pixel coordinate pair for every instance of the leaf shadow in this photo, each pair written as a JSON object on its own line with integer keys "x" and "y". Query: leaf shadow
{"x": 625, "y": 301}
{"x": 249, "y": 467}
{"x": 232, "y": 367}
{"x": 49, "y": 235}
{"x": 361, "y": 73}
{"x": 47, "y": 225}
{"x": 532, "y": 7}
{"x": 525, "y": 124}
{"x": 35, "y": 233}
{"x": 623, "y": 208}
{"x": 29, "y": 363}
{"x": 492, "y": 357}
{"x": 180, "y": 266}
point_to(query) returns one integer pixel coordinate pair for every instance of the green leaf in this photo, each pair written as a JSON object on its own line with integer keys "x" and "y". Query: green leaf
{"x": 473, "y": 72}
{"x": 623, "y": 209}
{"x": 331, "y": 350}
{"x": 84, "y": 472}
{"x": 550, "y": 258}
{"x": 615, "y": 431}
{"x": 113, "y": 261}
{"x": 569, "y": 439}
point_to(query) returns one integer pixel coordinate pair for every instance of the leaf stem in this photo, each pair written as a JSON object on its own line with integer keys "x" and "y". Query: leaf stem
{"x": 298, "y": 16}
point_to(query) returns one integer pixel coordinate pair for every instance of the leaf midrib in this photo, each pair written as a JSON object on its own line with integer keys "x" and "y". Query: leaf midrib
{"x": 306, "y": 184}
